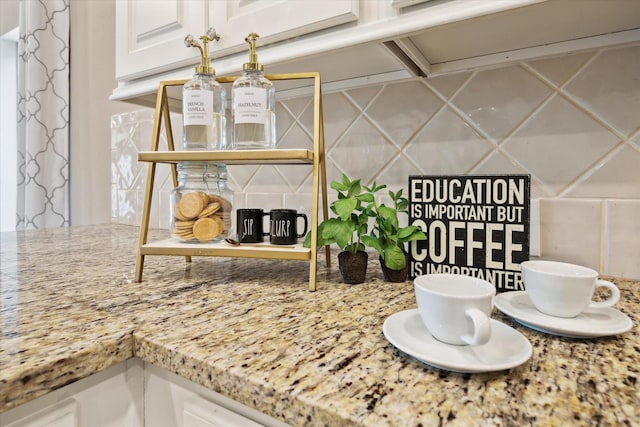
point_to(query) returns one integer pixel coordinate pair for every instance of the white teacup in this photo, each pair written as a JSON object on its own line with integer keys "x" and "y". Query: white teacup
{"x": 456, "y": 309}
{"x": 564, "y": 290}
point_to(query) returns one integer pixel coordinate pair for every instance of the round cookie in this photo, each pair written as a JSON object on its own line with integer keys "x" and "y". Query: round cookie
{"x": 206, "y": 229}
{"x": 183, "y": 234}
{"x": 190, "y": 205}
{"x": 186, "y": 237}
{"x": 177, "y": 214}
{"x": 205, "y": 197}
{"x": 220, "y": 223}
{"x": 210, "y": 209}
{"x": 225, "y": 205}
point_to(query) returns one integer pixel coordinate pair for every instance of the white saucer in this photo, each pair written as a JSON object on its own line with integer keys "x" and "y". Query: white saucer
{"x": 506, "y": 349}
{"x": 593, "y": 322}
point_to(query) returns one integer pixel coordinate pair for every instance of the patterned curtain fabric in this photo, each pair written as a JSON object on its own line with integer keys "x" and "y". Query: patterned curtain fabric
{"x": 43, "y": 114}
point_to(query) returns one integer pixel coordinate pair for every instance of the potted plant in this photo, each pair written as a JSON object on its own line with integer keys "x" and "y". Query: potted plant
{"x": 347, "y": 228}
{"x": 388, "y": 238}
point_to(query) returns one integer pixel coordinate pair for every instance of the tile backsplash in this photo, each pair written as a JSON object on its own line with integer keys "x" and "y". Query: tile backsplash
{"x": 572, "y": 122}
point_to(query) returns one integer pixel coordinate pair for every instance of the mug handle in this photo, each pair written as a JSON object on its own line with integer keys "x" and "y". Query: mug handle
{"x": 481, "y": 327}
{"x": 613, "y": 298}
{"x": 303, "y": 216}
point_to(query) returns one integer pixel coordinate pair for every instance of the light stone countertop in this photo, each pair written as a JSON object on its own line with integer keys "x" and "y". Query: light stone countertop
{"x": 251, "y": 330}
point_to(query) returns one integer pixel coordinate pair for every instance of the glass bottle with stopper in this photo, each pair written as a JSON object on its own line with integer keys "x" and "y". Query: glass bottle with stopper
{"x": 253, "y": 99}
{"x": 203, "y": 102}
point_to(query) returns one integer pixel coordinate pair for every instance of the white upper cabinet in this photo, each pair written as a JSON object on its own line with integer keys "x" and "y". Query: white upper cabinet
{"x": 274, "y": 20}
{"x": 150, "y": 35}
{"x": 355, "y": 42}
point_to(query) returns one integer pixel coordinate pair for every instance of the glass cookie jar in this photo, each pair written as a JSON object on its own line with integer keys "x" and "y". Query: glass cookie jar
{"x": 201, "y": 204}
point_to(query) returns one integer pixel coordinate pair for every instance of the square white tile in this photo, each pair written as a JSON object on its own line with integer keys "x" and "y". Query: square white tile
{"x": 571, "y": 231}
{"x": 622, "y": 242}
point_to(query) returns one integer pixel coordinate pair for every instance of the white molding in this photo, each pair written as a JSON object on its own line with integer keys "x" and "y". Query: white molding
{"x": 410, "y": 49}
{"x": 399, "y": 4}
{"x": 526, "y": 54}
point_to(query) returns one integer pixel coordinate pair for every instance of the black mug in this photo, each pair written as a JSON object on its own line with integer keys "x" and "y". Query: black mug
{"x": 283, "y": 229}
{"x": 250, "y": 225}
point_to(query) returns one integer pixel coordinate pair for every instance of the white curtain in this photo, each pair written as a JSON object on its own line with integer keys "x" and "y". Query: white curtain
{"x": 43, "y": 114}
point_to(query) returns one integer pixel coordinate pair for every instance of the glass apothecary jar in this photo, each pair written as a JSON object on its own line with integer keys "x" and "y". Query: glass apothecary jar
{"x": 201, "y": 204}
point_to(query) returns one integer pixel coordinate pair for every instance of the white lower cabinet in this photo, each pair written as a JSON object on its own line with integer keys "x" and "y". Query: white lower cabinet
{"x": 62, "y": 414}
{"x": 110, "y": 398}
{"x": 172, "y": 401}
{"x": 134, "y": 394}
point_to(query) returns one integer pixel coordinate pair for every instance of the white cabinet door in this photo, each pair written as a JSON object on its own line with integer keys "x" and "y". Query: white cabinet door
{"x": 110, "y": 398}
{"x": 274, "y": 20}
{"x": 199, "y": 412}
{"x": 150, "y": 35}
{"x": 172, "y": 401}
{"x": 63, "y": 414}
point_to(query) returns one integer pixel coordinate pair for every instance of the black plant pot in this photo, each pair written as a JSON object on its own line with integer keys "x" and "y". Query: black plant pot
{"x": 353, "y": 267}
{"x": 395, "y": 276}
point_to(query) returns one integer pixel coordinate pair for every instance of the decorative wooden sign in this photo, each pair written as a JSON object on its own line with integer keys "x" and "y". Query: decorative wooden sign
{"x": 475, "y": 225}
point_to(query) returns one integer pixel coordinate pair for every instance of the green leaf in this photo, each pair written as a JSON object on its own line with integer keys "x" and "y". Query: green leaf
{"x": 406, "y": 231}
{"x": 342, "y": 233}
{"x": 389, "y": 215}
{"x": 402, "y": 205}
{"x": 341, "y": 186}
{"x": 410, "y": 233}
{"x": 355, "y": 188}
{"x": 365, "y": 197}
{"x": 379, "y": 187}
{"x": 373, "y": 243}
{"x": 338, "y": 186}
{"x": 344, "y": 208}
{"x": 394, "y": 258}
{"x": 307, "y": 241}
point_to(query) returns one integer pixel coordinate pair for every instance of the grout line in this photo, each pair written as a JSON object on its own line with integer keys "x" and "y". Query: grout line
{"x": 567, "y": 96}
{"x": 559, "y": 90}
{"x": 496, "y": 146}
{"x": 309, "y": 105}
{"x": 340, "y": 138}
{"x": 462, "y": 116}
{"x": 411, "y": 139}
{"x": 634, "y": 134}
{"x": 591, "y": 169}
{"x": 251, "y": 178}
{"x": 384, "y": 134}
{"x": 295, "y": 119}
{"x": 577, "y": 72}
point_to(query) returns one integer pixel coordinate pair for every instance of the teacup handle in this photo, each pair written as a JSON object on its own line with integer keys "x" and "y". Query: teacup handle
{"x": 613, "y": 298}
{"x": 481, "y": 328}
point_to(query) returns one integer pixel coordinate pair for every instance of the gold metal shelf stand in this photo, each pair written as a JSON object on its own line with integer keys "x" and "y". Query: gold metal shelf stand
{"x": 235, "y": 157}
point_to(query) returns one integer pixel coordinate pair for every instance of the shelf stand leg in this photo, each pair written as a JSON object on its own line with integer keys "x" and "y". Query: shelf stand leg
{"x": 323, "y": 180}
{"x": 319, "y": 173}
{"x": 151, "y": 173}
{"x": 171, "y": 146}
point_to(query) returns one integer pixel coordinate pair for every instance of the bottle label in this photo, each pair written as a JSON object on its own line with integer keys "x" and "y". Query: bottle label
{"x": 250, "y": 105}
{"x": 197, "y": 107}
